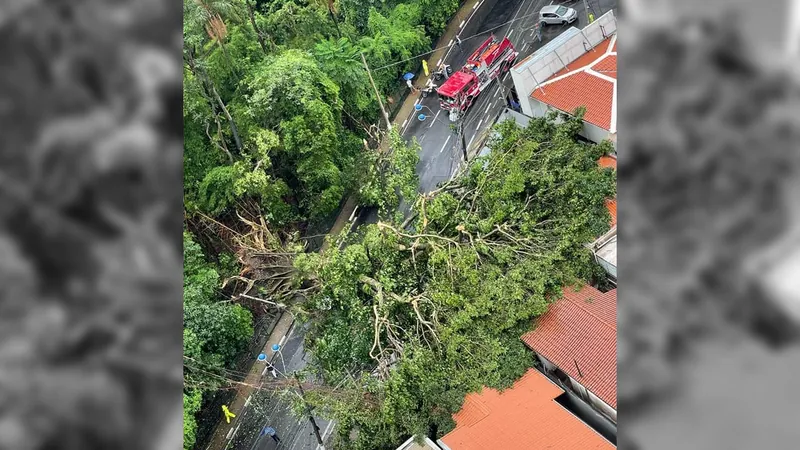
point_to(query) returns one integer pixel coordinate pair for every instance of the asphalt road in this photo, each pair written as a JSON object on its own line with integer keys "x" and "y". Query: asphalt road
{"x": 441, "y": 150}
{"x": 269, "y": 408}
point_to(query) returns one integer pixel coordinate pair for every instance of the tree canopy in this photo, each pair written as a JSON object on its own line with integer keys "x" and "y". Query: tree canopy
{"x": 436, "y": 311}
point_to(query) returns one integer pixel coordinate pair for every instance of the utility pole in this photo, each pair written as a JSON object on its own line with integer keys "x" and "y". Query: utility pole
{"x": 308, "y": 409}
{"x": 377, "y": 94}
{"x": 461, "y": 137}
{"x": 333, "y": 17}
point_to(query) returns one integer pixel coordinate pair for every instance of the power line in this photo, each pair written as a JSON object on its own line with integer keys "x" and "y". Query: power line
{"x": 462, "y": 40}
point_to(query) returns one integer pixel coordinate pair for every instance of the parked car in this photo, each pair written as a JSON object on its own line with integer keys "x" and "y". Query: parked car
{"x": 557, "y": 15}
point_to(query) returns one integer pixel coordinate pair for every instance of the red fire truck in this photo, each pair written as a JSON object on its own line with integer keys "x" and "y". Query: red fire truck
{"x": 491, "y": 59}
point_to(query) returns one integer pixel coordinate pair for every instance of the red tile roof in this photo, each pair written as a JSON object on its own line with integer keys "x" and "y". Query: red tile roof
{"x": 607, "y": 161}
{"x": 581, "y": 328}
{"x": 588, "y": 81}
{"x": 611, "y": 205}
{"x": 611, "y": 162}
{"x": 607, "y": 66}
{"x": 524, "y": 417}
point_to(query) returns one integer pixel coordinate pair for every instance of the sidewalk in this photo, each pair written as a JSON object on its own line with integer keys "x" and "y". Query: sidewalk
{"x": 225, "y": 431}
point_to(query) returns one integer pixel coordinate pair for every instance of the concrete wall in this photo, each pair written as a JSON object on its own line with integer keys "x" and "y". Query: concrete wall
{"x": 593, "y": 132}
{"x": 546, "y": 365}
{"x": 603, "y": 407}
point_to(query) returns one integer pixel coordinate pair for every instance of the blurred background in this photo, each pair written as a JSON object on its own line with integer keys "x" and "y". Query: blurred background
{"x": 710, "y": 311}
{"x": 90, "y": 224}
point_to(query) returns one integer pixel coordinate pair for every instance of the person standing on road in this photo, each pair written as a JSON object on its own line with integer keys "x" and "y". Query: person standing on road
{"x": 228, "y": 414}
{"x": 271, "y": 370}
{"x": 269, "y": 431}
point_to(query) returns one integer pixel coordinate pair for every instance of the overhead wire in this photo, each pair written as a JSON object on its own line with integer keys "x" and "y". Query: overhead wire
{"x": 462, "y": 40}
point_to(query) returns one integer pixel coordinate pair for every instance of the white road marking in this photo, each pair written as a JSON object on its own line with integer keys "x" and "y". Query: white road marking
{"x": 478, "y": 127}
{"x": 510, "y": 32}
{"x": 462, "y": 24}
{"x": 353, "y": 214}
{"x": 448, "y": 44}
{"x": 434, "y": 118}
{"x": 291, "y": 331}
{"x": 283, "y": 339}
{"x": 230, "y": 433}
{"x": 487, "y": 108}
{"x": 404, "y": 123}
{"x": 476, "y": 5}
{"x": 445, "y": 144}
{"x": 525, "y": 46}
{"x": 470, "y": 141}
{"x": 405, "y": 127}
{"x": 327, "y": 429}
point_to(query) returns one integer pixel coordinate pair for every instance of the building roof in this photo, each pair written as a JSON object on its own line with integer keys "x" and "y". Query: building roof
{"x": 611, "y": 205}
{"x": 605, "y": 248}
{"x": 427, "y": 444}
{"x": 524, "y": 417}
{"x": 580, "y": 331}
{"x": 606, "y": 161}
{"x": 590, "y": 81}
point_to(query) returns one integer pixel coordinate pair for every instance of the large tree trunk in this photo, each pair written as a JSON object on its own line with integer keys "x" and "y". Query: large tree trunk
{"x": 255, "y": 28}
{"x": 234, "y": 130}
{"x": 208, "y": 84}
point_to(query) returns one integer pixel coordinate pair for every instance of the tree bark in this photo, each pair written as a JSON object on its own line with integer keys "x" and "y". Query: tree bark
{"x": 255, "y": 27}
{"x": 211, "y": 91}
{"x": 234, "y": 130}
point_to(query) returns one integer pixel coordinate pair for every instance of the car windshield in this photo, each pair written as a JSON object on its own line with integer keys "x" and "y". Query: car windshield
{"x": 561, "y": 11}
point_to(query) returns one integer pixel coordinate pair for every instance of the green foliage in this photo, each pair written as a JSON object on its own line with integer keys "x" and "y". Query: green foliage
{"x": 487, "y": 255}
{"x": 213, "y": 334}
{"x": 341, "y": 60}
{"x": 290, "y": 94}
{"x": 192, "y": 401}
{"x": 308, "y": 90}
{"x": 436, "y": 13}
{"x": 294, "y": 25}
{"x": 356, "y": 12}
{"x": 389, "y": 177}
{"x": 397, "y": 36}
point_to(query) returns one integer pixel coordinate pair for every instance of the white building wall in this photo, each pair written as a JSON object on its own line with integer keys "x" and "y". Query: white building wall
{"x": 539, "y": 109}
{"x": 547, "y": 365}
{"x": 603, "y": 407}
{"x": 594, "y": 133}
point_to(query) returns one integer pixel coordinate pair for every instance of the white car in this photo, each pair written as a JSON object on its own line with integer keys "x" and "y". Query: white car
{"x": 557, "y": 15}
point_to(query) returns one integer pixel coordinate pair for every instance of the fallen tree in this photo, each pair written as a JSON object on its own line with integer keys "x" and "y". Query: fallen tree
{"x": 412, "y": 318}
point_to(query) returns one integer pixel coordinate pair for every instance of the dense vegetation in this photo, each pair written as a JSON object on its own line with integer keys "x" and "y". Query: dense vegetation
{"x": 436, "y": 311}
{"x": 406, "y": 318}
{"x": 277, "y": 111}
{"x": 277, "y": 101}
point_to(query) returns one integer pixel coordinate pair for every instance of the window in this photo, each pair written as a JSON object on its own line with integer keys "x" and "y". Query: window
{"x": 561, "y": 11}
